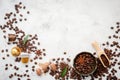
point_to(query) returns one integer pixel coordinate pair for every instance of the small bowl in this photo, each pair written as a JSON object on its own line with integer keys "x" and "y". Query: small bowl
{"x": 95, "y": 64}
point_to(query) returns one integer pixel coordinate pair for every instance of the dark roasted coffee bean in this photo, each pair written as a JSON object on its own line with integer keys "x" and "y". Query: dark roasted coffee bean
{"x": 2, "y": 51}
{"x": 28, "y": 12}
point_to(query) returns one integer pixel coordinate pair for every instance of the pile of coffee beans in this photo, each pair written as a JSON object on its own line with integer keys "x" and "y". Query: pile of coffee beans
{"x": 85, "y": 63}
{"x": 111, "y": 48}
{"x": 15, "y": 36}
{"x": 61, "y": 64}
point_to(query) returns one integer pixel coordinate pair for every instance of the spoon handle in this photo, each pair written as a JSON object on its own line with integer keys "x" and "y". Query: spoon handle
{"x": 97, "y": 48}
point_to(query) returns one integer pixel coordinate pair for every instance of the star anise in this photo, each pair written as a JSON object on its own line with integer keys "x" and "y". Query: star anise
{"x": 81, "y": 60}
{"x": 38, "y": 52}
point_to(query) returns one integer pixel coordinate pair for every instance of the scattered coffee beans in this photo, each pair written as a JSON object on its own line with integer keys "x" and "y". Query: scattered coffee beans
{"x": 16, "y": 35}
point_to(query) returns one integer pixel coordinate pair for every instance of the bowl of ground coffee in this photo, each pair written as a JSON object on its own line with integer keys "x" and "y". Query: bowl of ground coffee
{"x": 85, "y": 63}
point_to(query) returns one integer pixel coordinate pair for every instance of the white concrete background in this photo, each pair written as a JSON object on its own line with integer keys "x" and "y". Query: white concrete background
{"x": 63, "y": 25}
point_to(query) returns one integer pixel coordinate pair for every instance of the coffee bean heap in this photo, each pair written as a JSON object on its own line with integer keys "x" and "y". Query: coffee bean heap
{"x": 12, "y": 19}
{"x": 85, "y": 63}
{"x": 111, "y": 48}
{"x": 61, "y": 64}
{"x": 101, "y": 70}
{"x": 16, "y": 37}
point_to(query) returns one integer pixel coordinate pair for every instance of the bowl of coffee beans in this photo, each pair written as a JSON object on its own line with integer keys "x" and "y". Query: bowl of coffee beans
{"x": 85, "y": 63}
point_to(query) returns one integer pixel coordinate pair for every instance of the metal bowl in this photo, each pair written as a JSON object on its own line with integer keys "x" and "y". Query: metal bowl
{"x": 95, "y": 66}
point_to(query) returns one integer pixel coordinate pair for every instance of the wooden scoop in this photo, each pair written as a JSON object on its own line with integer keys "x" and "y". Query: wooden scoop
{"x": 101, "y": 55}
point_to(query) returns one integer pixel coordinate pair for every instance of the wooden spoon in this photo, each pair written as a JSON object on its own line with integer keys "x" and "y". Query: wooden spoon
{"x": 101, "y": 55}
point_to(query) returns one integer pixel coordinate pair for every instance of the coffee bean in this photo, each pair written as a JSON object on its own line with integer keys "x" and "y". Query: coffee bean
{"x": 6, "y": 68}
{"x": 14, "y": 15}
{"x": 24, "y": 74}
{"x": 117, "y": 23}
{"x": 20, "y": 19}
{"x": 10, "y": 77}
{"x": 109, "y": 37}
{"x": 38, "y": 43}
{"x": 33, "y": 66}
{"x": 24, "y": 7}
{"x": 17, "y": 69}
{"x": 43, "y": 49}
{"x": 35, "y": 63}
{"x": 15, "y": 73}
{"x": 68, "y": 60}
{"x": 65, "y": 53}
{"x": 58, "y": 59}
{"x": 28, "y": 12}
{"x": 44, "y": 54}
{"x": 26, "y": 65}
{"x": 25, "y": 19}
{"x": 118, "y": 63}
{"x": 21, "y": 15}
{"x": 4, "y": 37}
{"x": 53, "y": 59}
{"x": 6, "y": 65}
{"x": 31, "y": 60}
{"x": 3, "y": 58}
{"x": 8, "y": 55}
{"x": 40, "y": 58}
{"x": 20, "y": 3}
{"x": 27, "y": 70}
{"x": 62, "y": 59}
{"x": 4, "y": 31}
{"x": 18, "y": 75}
{"x": 28, "y": 79}
{"x": 112, "y": 27}
{"x": 28, "y": 75}
{"x": 33, "y": 70}
{"x": 6, "y": 50}
{"x": 19, "y": 79}
{"x": 2, "y": 51}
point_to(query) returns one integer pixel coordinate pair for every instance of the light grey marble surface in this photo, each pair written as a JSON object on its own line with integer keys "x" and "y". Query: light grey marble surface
{"x": 64, "y": 25}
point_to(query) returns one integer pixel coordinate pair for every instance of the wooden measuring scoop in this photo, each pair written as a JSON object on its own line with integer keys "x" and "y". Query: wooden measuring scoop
{"x": 101, "y": 55}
